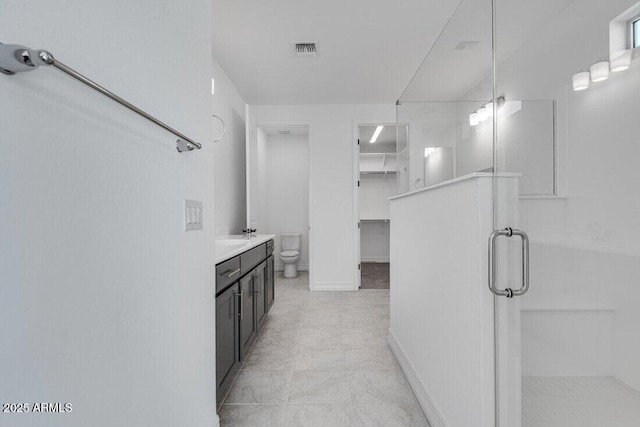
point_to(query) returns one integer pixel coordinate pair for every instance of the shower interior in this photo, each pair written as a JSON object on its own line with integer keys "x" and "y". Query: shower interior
{"x": 578, "y": 330}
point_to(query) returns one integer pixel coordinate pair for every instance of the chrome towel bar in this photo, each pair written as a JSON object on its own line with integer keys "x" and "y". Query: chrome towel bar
{"x": 15, "y": 59}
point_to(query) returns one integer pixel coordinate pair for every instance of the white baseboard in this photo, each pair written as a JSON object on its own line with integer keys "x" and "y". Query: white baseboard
{"x": 333, "y": 286}
{"x": 301, "y": 267}
{"x": 425, "y": 400}
{"x": 374, "y": 259}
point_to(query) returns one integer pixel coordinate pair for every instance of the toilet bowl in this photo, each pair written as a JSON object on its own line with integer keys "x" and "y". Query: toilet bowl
{"x": 290, "y": 243}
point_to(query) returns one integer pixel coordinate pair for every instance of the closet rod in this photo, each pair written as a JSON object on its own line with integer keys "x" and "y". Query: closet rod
{"x": 15, "y": 58}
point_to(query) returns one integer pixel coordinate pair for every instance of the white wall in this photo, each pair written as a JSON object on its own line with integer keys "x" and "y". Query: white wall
{"x": 525, "y": 143}
{"x": 286, "y": 191}
{"x": 259, "y": 182}
{"x": 374, "y": 241}
{"x": 439, "y": 166}
{"x": 441, "y": 310}
{"x": 581, "y": 316}
{"x": 332, "y": 135}
{"x": 230, "y": 184}
{"x": 431, "y": 124}
{"x": 105, "y": 302}
{"x": 374, "y": 193}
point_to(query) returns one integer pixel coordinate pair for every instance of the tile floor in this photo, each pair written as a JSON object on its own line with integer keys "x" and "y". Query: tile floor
{"x": 375, "y": 275}
{"x": 322, "y": 359}
{"x": 579, "y": 402}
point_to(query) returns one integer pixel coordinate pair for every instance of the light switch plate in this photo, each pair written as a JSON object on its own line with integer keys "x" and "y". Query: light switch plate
{"x": 192, "y": 215}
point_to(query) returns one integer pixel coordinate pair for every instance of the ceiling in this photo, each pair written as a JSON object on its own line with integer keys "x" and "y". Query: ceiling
{"x": 368, "y": 51}
{"x": 454, "y": 73}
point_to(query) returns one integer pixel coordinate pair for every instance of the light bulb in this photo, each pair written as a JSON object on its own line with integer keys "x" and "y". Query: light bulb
{"x": 489, "y": 109}
{"x": 482, "y": 114}
{"x": 581, "y": 81}
{"x": 600, "y": 71}
{"x": 621, "y": 61}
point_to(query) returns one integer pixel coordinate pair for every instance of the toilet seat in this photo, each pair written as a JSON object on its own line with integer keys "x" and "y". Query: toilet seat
{"x": 289, "y": 253}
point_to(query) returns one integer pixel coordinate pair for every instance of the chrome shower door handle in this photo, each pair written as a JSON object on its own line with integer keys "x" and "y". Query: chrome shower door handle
{"x": 508, "y": 292}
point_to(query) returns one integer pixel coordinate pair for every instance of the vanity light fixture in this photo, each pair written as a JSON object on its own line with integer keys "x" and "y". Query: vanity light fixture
{"x": 600, "y": 71}
{"x": 374, "y": 138}
{"x": 581, "y": 81}
{"x": 621, "y": 61}
{"x": 482, "y": 114}
{"x": 489, "y": 109}
{"x": 213, "y": 86}
{"x": 486, "y": 111}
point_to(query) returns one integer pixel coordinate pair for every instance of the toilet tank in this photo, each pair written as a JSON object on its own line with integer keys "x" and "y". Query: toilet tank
{"x": 290, "y": 241}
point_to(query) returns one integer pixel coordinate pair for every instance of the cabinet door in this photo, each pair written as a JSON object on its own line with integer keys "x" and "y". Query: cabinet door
{"x": 226, "y": 334}
{"x": 260, "y": 295}
{"x": 247, "y": 314}
{"x": 270, "y": 282}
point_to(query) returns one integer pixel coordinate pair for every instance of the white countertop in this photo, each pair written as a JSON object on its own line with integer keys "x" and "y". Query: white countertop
{"x": 231, "y": 246}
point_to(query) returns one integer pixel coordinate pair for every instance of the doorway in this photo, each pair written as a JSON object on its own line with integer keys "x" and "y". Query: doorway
{"x": 278, "y": 187}
{"x": 377, "y": 181}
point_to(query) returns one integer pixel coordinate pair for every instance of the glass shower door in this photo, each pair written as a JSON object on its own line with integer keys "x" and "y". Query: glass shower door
{"x": 566, "y": 104}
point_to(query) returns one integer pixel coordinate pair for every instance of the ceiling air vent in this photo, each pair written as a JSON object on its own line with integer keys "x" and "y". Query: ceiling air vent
{"x": 284, "y": 132}
{"x": 466, "y": 46}
{"x": 305, "y": 49}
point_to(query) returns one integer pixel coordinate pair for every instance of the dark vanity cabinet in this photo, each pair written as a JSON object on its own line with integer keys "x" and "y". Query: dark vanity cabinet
{"x": 227, "y": 334}
{"x": 247, "y": 314}
{"x": 259, "y": 282}
{"x": 244, "y": 294}
{"x": 269, "y": 287}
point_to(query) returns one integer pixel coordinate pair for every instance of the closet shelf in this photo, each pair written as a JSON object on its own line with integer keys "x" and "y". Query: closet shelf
{"x": 367, "y": 172}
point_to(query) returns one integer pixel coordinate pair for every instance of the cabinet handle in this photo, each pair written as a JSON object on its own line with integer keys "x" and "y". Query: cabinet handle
{"x": 230, "y": 273}
{"x": 254, "y": 287}
{"x": 241, "y": 311}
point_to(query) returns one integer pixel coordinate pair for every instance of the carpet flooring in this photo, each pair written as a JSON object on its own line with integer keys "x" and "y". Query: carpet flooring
{"x": 374, "y": 275}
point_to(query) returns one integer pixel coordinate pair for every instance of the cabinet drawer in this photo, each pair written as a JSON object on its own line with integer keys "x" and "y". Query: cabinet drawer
{"x": 269, "y": 247}
{"x": 251, "y": 258}
{"x": 227, "y": 272}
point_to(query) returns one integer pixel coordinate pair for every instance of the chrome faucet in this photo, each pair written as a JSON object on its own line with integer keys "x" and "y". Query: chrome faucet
{"x": 249, "y": 232}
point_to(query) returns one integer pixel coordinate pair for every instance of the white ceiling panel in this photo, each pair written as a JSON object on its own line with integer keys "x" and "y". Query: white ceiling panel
{"x": 368, "y": 50}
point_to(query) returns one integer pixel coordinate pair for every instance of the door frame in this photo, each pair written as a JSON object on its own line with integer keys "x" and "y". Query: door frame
{"x": 251, "y": 137}
{"x": 356, "y": 191}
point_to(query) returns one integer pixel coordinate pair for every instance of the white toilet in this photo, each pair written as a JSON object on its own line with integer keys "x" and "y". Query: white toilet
{"x": 290, "y": 243}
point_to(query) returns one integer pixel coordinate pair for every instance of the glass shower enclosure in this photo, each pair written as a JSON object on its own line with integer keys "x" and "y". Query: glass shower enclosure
{"x": 547, "y": 92}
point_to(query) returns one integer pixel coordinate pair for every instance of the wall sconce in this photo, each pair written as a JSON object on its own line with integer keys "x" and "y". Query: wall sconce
{"x": 581, "y": 81}
{"x": 428, "y": 151}
{"x": 599, "y": 71}
{"x": 621, "y": 61}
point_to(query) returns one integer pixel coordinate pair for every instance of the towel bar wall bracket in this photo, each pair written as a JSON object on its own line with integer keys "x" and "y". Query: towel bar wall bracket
{"x": 15, "y": 59}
